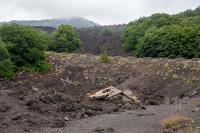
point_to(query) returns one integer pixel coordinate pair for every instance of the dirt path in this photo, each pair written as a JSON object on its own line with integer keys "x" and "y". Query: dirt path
{"x": 139, "y": 121}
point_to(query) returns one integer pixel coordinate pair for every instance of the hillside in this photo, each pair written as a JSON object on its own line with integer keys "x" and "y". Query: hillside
{"x": 94, "y": 43}
{"x": 77, "y": 22}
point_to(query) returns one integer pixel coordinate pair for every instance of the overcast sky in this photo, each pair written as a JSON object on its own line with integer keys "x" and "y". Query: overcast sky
{"x": 101, "y": 11}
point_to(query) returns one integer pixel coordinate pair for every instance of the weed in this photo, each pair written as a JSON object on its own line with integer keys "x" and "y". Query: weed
{"x": 174, "y": 120}
{"x": 197, "y": 102}
{"x": 105, "y": 56}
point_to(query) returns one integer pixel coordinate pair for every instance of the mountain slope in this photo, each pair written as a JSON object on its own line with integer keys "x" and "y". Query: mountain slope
{"x": 77, "y": 22}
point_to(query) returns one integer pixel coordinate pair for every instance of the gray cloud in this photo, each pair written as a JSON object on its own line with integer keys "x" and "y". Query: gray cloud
{"x": 101, "y": 11}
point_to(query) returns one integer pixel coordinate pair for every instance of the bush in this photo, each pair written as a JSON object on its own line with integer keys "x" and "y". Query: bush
{"x": 25, "y": 44}
{"x": 170, "y": 41}
{"x": 105, "y": 56}
{"x": 107, "y": 31}
{"x": 163, "y": 35}
{"x": 174, "y": 120}
{"x": 135, "y": 30}
{"x": 3, "y": 52}
{"x": 6, "y": 69}
{"x": 6, "y": 66}
{"x": 42, "y": 66}
{"x": 65, "y": 39}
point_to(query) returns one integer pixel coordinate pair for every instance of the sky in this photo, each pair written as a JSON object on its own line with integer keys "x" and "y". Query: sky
{"x": 104, "y": 12}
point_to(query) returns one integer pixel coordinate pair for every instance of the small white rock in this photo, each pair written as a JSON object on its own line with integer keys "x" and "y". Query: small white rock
{"x": 66, "y": 118}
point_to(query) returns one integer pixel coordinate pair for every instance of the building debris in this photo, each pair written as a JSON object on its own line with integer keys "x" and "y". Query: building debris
{"x": 67, "y": 81}
{"x": 113, "y": 92}
{"x": 130, "y": 95}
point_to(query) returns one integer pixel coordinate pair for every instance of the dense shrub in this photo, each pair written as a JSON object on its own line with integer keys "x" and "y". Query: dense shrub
{"x": 65, "y": 39}
{"x": 135, "y": 30}
{"x": 42, "y": 66}
{"x": 189, "y": 21}
{"x": 6, "y": 66}
{"x": 162, "y": 35}
{"x": 171, "y": 41}
{"x": 3, "y": 52}
{"x": 26, "y": 45}
{"x": 106, "y": 31}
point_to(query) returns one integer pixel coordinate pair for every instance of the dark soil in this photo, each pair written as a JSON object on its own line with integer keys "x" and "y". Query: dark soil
{"x": 32, "y": 100}
{"x": 137, "y": 121}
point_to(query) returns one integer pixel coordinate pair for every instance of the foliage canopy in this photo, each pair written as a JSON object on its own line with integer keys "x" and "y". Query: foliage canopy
{"x": 65, "y": 39}
{"x": 22, "y": 47}
{"x": 170, "y": 41}
{"x": 6, "y": 66}
{"x": 25, "y": 44}
{"x": 163, "y": 35}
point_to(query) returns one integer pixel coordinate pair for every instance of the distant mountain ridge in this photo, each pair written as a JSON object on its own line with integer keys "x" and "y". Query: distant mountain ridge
{"x": 76, "y": 22}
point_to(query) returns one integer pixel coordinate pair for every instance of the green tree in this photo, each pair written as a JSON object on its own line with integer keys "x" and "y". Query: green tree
{"x": 137, "y": 29}
{"x": 3, "y": 52}
{"x": 25, "y": 44}
{"x": 65, "y": 39}
{"x": 189, "y": 21}
{"x": 151, "y": 36}
{"x": 6, "y": 66}
{"x": 189, "y": 13}
{"x": 170, "y": 41}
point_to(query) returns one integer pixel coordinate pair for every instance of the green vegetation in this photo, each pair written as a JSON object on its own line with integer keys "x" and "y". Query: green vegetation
{"x": 26, "y": 48}
{"x": 42, "y": 66}
{"x": 23, "y": 47}
{"x": 107, "y": 31}
{"x": 163, "y": 35}
{"x": 65, "y": 39}
{"x": 105, "y": 56}
{"x": 134, "y": 31}
{"x": 6, "y": 66}
{"x": 26, "y": 45}
{"x": 170, "y": 41}
{"x": 3, "y": 52}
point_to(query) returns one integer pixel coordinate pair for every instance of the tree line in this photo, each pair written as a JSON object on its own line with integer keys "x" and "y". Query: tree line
{"x": 164, "y": 35}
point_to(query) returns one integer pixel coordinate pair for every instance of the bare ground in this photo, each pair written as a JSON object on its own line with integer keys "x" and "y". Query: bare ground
{"x": 135, "y": 121}
{"x": 56, "y": 99}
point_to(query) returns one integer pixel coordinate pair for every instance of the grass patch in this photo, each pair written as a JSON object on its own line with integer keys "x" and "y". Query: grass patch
{"x": 174, "y": 120}
{"x": 197, "y": 102}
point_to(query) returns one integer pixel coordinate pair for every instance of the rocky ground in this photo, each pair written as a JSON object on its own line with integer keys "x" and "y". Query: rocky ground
{"x": 135, "y": 121}
{"x": 55, "y": 99}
